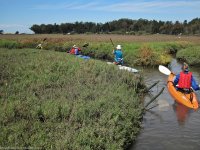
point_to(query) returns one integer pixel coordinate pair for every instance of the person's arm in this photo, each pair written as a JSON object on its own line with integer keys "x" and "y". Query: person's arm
{"x": 195, "y": 85}
{"x": 176, "y": 79}
{"x": 113, "y": 51}
{"x": 71, "y": 50}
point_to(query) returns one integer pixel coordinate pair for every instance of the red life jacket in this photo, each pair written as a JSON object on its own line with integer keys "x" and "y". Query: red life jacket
{"x": 72, "y": 51}
{"x": 185, "y": 80}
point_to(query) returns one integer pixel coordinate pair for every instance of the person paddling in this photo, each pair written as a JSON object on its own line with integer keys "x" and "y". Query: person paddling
{"x": 75, "y": 50}
{"x": 118, "y": 60}
{"x": 40, "y": 46}
{"x": 185, "y": 80}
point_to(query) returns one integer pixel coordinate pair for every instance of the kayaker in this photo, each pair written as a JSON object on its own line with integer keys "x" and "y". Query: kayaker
{"x": 185, "y": 80}
{"x": 40, "y": 46}
{"x": 75, "y": 50}
{"x": 118, "y": 55}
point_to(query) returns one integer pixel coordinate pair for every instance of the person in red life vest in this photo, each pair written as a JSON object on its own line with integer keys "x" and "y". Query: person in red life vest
{"x": 185, "y": 80}
{"x": 75, "y": 50}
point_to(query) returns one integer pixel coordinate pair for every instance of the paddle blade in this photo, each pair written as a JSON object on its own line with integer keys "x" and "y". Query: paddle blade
{"x": 164, "y": 70}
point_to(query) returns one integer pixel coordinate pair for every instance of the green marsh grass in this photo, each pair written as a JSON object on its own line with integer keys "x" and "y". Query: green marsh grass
{"x": 100, "y": 47}
{"x": 190, "y": 54}
{"x": 52, "y": 100}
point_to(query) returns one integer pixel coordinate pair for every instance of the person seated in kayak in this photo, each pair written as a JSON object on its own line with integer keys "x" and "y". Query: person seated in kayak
{"x": 118, "y": 55}
{"x": 75, "y": 50}
{"x": 185, "y": 80}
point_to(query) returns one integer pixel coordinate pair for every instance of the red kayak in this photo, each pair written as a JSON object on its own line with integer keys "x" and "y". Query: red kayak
{"x": 190, "y": 100}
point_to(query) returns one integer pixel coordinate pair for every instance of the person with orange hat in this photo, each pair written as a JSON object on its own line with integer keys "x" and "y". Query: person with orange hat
{"x": 185, "y": 80}
{"x": 75, "y": 50}
{"x": 118, "y": 60}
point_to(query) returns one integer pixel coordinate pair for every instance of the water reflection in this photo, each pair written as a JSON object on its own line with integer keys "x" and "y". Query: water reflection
{"x": 182, "y": 112}
{"x": 157, "y": 115}
{"x": 170, "y": 125}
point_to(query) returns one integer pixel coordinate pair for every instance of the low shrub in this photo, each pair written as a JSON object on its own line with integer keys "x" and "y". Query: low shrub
{"x": 52, "y": 100}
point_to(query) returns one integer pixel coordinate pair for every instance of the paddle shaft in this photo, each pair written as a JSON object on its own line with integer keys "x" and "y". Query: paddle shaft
{"x": 112, "y": 42}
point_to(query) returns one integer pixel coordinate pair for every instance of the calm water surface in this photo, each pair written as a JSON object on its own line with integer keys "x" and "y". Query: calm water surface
{"x": 169, "y": 126}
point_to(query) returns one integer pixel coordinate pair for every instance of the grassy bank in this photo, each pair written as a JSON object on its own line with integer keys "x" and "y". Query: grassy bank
{"x": 52, "y": 100}
{"x": 150, "y": 50}
{"x": 191, "y": 55}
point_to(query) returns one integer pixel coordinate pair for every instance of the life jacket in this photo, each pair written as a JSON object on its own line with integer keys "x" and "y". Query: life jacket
{"x": 185, "y": 80}
{"x": 75, "y": 51}
{"x": 118, "y": 57}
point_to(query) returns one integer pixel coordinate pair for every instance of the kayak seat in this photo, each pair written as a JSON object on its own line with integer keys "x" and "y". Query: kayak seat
{"x": 185, "y": 91}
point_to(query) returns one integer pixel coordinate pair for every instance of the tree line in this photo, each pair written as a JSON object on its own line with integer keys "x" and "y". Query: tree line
{"x": 122, "y": 26}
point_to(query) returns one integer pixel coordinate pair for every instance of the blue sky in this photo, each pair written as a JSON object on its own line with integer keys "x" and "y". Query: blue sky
{"x": 20, "y": 15}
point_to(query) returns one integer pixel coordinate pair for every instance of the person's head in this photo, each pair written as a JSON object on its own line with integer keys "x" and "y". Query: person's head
{"x": 118, "y": 47}
{"x": 74, "y": 46}
{"x": 185, "y": 67}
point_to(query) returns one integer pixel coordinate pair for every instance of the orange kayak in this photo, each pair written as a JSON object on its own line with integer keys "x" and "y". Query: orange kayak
{"x": 190, "y": 100}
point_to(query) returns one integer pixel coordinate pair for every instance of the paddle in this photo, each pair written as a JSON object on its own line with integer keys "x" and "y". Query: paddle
{"x": 164, "y": 70}
{"x": 112, "y": 43}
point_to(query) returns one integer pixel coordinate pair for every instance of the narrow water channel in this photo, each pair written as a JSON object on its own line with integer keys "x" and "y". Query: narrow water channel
{"x": 169, "y": 126}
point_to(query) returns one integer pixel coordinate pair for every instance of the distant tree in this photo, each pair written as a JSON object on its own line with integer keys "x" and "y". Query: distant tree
{"x": 166, "y": 27}
{"x": 122, "y": 26}
{"x": 177, "y": 28}
{"x": 36, "y": 29}
{"x": 48, "y": 28}
{"x": 56, "y": 28}
{"x": 106, "y": 27}
{"x": 79, "y": 27}
{"x": 185, "y": 22}
{"x": 64, "y": 28}
{"x": 154, "y": 27}
{"x": 1, "y": 31}
{"x": 17, "y": 32}
{"x": 99, "y": 27}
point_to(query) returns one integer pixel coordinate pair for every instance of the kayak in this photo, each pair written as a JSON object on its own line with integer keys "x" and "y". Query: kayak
{"x": 190, "y": 100}
{"x": 83, "y": 57}
{"x": 129, "y": 69}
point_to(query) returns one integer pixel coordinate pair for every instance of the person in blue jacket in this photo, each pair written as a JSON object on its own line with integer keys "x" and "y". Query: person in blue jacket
{"x": 118, "y": 60}
{"x": 185, "y": 80}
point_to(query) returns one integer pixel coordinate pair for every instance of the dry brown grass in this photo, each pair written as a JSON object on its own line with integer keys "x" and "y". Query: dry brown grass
{"x": 103, "y": 38}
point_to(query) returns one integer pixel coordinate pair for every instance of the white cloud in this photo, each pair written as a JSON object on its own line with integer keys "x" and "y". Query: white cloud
{"x": 128, "y": 6}
{"x": 153, "y": 6}
{"x": 74, "y": 5}
{"x": 53, "y": 7}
